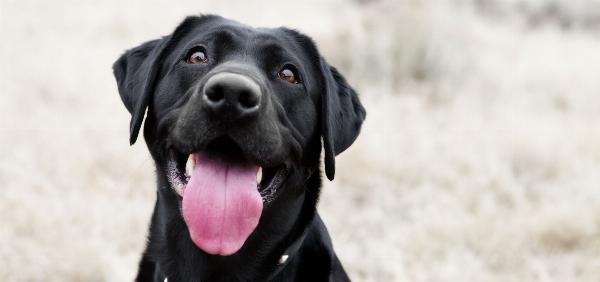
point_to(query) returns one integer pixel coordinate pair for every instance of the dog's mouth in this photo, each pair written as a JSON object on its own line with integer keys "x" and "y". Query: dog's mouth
{"x": 222, "y": 193}
{"x": 180, "y": 167}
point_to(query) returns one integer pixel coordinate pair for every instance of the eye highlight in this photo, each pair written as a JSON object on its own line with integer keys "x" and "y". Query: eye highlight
{"x": 197, "y": 55}
{"x": 289, "y": 74}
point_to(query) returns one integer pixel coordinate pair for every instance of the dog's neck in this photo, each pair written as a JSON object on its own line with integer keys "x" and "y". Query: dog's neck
{"x": 266, "y": 252}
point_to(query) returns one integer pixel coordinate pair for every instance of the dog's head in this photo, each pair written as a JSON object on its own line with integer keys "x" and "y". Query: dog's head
{"x": 235, "y": 117}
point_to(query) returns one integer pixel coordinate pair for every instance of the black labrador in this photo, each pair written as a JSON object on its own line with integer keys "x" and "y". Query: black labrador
{"x": 234, "y": 121}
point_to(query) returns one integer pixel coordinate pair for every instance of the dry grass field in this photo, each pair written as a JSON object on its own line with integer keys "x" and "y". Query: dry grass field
{"x": 479, "y": 159}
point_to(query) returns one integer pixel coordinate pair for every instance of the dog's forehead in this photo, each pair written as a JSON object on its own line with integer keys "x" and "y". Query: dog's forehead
{"x": 266, "y": 47}
{"x": 229, "y": 32}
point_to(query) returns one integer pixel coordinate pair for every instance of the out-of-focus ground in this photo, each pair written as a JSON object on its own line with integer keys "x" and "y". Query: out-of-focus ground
{"x": 479, "y": 160}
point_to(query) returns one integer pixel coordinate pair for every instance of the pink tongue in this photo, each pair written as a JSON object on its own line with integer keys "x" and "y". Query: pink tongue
{"x": 221, "y": 205}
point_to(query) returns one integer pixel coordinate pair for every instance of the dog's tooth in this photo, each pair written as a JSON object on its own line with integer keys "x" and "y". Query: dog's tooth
{"x": 179, "y": 187}
{"x": 259, "y": 175}
{"x": 190, "y": 164}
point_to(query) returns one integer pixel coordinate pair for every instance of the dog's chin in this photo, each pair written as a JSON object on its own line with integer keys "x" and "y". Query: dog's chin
{"x": 180, "y": 167}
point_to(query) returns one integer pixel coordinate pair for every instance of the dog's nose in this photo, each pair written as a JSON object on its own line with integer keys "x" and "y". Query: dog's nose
{"x": 232, "y": 94}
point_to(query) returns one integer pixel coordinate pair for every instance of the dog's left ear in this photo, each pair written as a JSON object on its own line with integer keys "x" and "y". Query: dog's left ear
{"x": 342, "y": 115}
{"x": 135, "y": 72}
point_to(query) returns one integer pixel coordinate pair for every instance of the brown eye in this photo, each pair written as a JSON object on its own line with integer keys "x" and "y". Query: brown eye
{"x": 197, "y": 56}
{"x": 288, "y": 73}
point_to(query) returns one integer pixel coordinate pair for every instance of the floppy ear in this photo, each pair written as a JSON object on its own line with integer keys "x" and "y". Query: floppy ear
{"x": 342, "y": 115}
{"x": 136, "y": 72}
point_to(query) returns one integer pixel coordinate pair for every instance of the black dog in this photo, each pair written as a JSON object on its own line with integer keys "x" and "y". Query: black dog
{"x": 235, "y": 117}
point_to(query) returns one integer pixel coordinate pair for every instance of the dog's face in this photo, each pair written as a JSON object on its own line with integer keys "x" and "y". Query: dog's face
{"x": 235, "y": 120}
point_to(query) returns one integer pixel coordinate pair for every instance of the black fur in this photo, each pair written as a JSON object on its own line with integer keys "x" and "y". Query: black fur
{"x": 154, "y": 78}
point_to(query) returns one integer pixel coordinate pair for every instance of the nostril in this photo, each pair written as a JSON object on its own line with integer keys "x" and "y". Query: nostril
{"x": 248, "y": 99}
{"x": 215, "y": 93}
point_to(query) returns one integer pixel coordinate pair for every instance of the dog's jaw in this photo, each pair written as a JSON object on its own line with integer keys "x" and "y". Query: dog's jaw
{"x": 288, "y": 212}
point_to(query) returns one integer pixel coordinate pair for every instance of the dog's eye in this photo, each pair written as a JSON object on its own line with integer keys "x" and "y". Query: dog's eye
{"x": 289, "y": 74}
{"x": 197, "y": 55}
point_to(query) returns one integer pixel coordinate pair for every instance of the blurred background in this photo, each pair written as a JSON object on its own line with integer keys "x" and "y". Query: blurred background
{"x": 479, "y": 159}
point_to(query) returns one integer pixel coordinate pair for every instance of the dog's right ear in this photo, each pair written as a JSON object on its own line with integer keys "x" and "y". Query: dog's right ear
{"x": 135, "y": 71}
